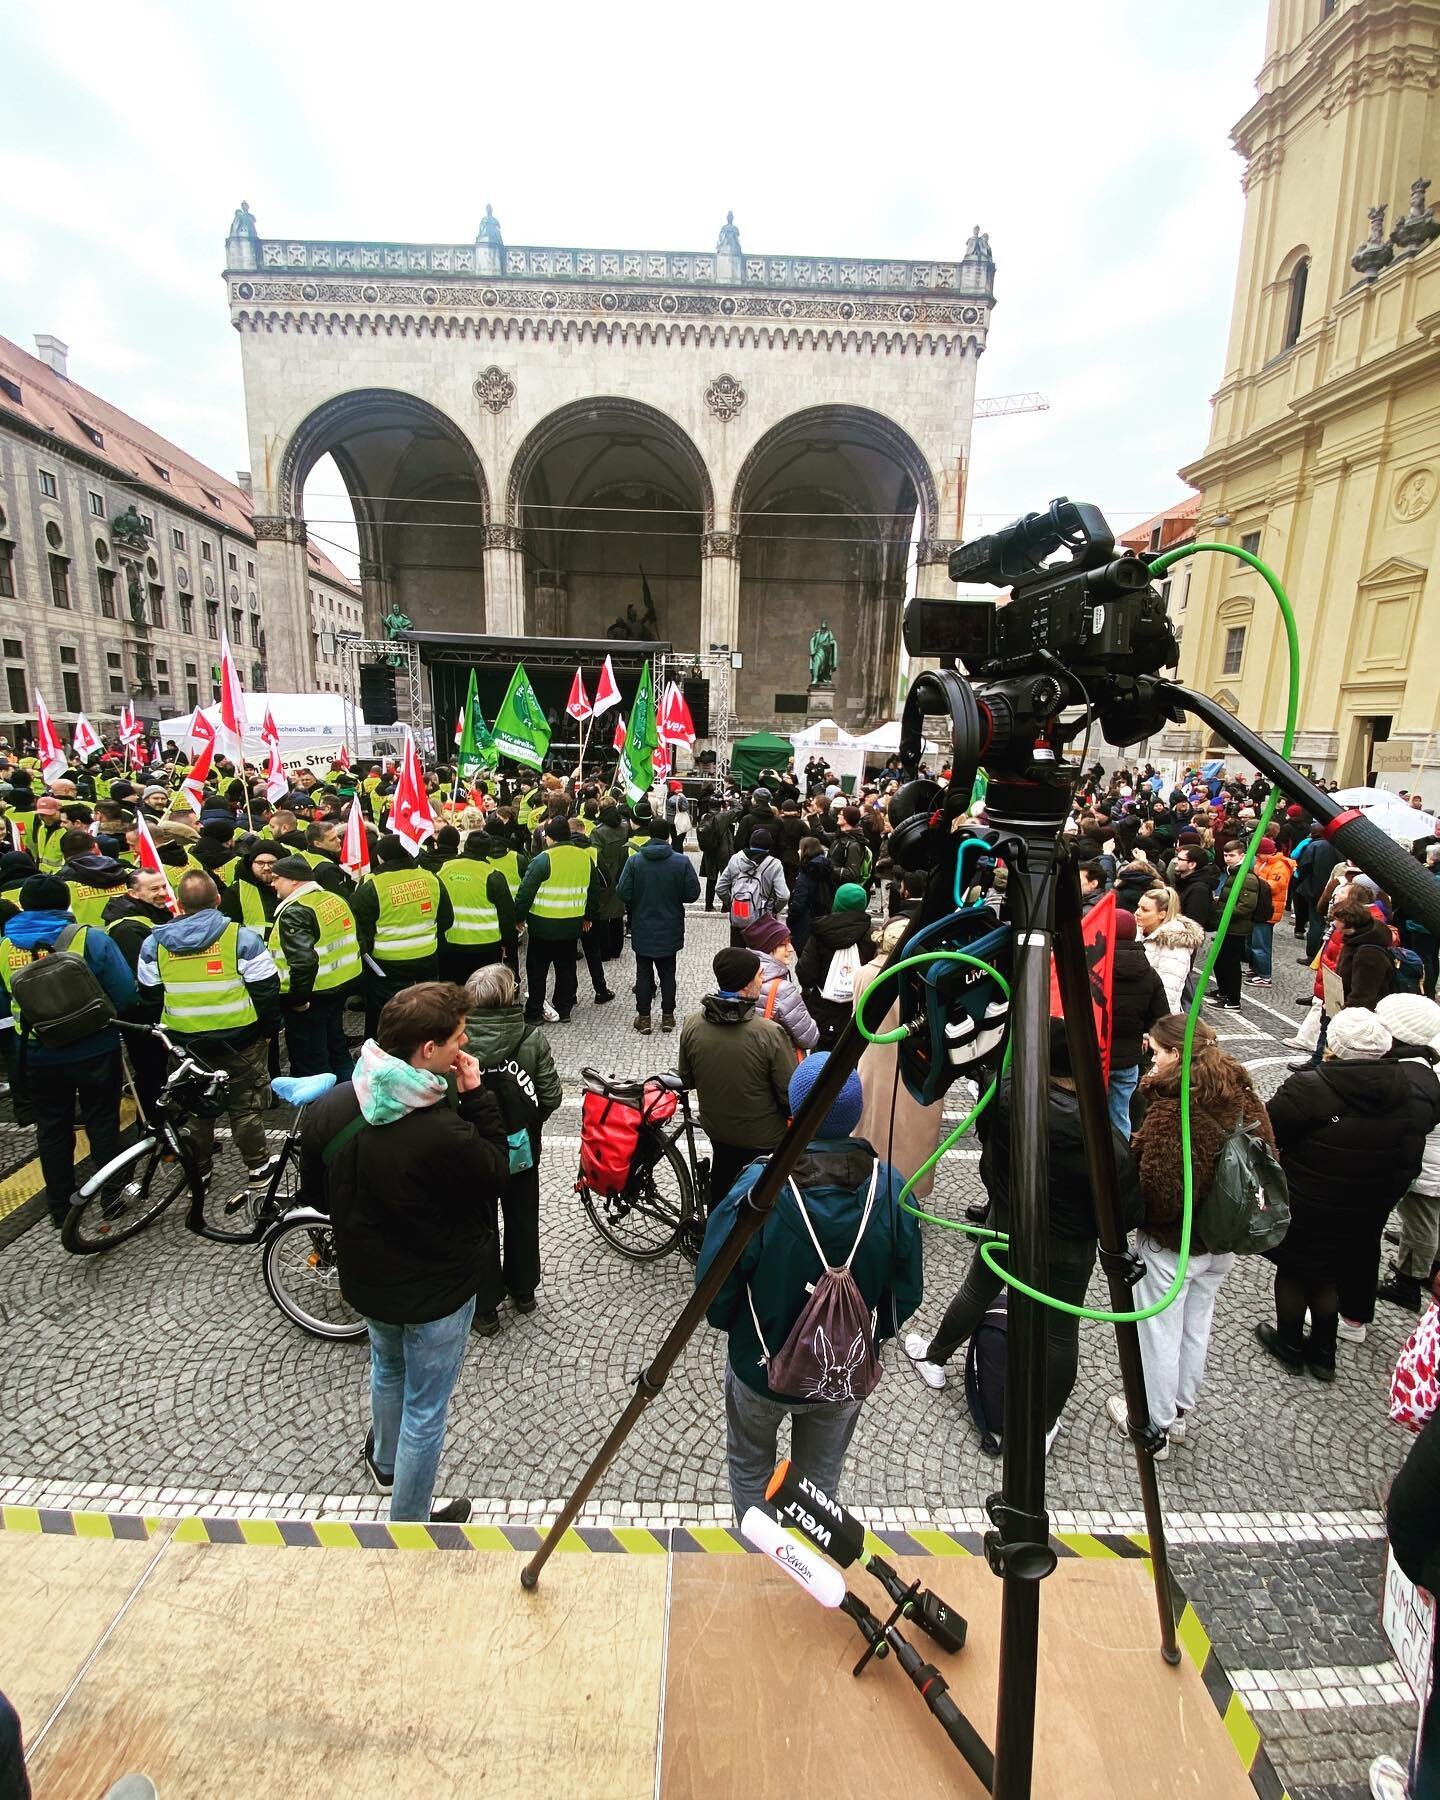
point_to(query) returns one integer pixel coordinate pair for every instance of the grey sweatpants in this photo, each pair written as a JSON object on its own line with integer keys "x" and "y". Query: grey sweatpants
{"x": 1419, "y": 1216}
{"x": 820, "y": 1434}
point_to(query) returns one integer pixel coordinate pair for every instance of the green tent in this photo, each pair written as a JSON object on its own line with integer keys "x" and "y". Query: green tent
{"x": 761, "y": 750}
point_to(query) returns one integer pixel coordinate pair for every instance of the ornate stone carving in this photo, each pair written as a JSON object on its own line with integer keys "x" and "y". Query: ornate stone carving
{"x": 494, "y": 389}
{"x": 1414, "y": 229}
{"x": 935, "y": 550}
{"x": 725, "y": 397}
{"x": 1374, "y": 254}
{"x": 277, "y": 528}
{"x": 1414, "y": 494}
{"x": 720, "y": 543}
{"x": 370, "y": 570}
{"x": 504, "y": 537}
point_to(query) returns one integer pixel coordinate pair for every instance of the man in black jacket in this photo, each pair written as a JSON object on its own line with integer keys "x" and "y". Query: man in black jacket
{"x": 1194, "y": 883}
{"x": 1072, "y": 1234}
{"x": 408, "y": 1181}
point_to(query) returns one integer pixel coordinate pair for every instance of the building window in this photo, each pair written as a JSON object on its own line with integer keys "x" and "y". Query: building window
{"x": 1234, "y": 650}
{"x": 13, "y": 648}
{"x": 47, "y": 485}
{"x": 60, "y": 581}
{"x": 237, "y": 625}
{"x": 232, "y": 561}
{"x": 1295, "y": 305}
{"x": 117, "y": 684}
{"x": 149, "y": 524}
{"x": 250, "y": 570}
{"x": 12, "y": 388}
{"x": 97, "y": 504}
{"x": 7, "y": 571}
{"x": 212, "y": 618}
{"x": 255, "y": 630}
{"x": 162, "y": 675}
{"x": 157, "y": 606}
{"x": 187, "y": 615}
{"x": 207, "y": 553}
{"x": 19, "y": 691}
{"x": 1250, "y": 542}
{"x": 1154, "y": 544}
{"x": 177, "y": 537}
{"x": 106, "y": 579}
{"x": 70, "y": 681}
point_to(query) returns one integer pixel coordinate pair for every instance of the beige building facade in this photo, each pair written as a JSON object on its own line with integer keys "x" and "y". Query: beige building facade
{"x": 1324, "y": 452}
{"x": 537, "y": 440}
{"x": 121, "y": 559}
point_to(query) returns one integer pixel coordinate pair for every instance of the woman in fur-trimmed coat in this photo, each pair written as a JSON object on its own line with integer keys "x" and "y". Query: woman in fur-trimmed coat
{"x": 1171, "y": 941}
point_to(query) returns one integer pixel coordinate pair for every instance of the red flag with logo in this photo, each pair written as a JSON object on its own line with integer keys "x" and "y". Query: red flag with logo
{"x": 675, "y": 724}
{"x": 84, "y": 738}
{"x": 150, "y": 859}
{"x": 618, "y": 742}
{"x": 607, "y": 689}
{"x": 355, "y": 856}
{"x": 53, "y": 761}
{"x": 1097, "y": 929}
{"x": 202, "y": 733}
{"x": 411, "y": 818}
{"x": 578, "y": 705}
{"x": 230, "y": 735}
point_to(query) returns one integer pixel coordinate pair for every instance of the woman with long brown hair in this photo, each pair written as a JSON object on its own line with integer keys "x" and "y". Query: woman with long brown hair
{"x": 1175, "y": 1343}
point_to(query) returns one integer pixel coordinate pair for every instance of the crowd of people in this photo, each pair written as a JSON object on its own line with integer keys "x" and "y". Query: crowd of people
{"x": 247, "y": 938}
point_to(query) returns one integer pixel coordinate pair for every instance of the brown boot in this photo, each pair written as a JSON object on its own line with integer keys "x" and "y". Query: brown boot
{"x": 642, "y": 1023}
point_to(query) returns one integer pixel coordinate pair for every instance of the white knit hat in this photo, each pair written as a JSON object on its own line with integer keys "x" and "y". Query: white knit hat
{"x": 1357, "y": 1035}
{"x": 1409, "y": 1018}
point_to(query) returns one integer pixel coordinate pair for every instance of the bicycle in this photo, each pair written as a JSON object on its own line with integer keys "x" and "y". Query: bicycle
{"x": 131, "y": 1191}
{"x": 666, "y": 1198}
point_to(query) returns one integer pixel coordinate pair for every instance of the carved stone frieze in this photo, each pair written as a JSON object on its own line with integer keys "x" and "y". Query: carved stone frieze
{"x": 725, "y": 397}
{"x": 720, "y": 543}
{"x": 494, "y": 389}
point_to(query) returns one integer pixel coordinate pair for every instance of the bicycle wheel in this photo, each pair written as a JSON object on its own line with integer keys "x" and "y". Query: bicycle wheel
{"x": 304, "y": 1282}
{"x": 232, "y": 1212}
{"x": 148, "y": 1184}
{"x": 644, "y": 1221}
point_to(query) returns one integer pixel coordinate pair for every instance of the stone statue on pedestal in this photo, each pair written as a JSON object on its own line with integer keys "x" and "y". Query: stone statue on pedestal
{"x": 489, "y": 232}
{"x": 243, "y": 224}
{"x": 824, "y": 656}
{"x": 979, "y": 245}
{"x": 729, "y": 240}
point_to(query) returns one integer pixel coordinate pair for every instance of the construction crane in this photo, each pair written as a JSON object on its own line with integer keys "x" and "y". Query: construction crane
{"x": 1005, "y": 406}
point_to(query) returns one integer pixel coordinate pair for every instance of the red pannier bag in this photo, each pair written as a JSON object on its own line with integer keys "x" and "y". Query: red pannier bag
{"x": 610, "y": 1121}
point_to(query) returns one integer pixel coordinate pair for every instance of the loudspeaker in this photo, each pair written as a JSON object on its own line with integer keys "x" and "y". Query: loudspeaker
{"x": 377, "y": 695}
{"x": 697, "y": 698}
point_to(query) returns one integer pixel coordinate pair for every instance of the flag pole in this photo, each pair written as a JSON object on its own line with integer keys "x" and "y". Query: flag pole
{"x": 584, "y": 739}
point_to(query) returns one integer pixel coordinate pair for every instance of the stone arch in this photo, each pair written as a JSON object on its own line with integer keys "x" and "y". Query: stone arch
{"x": 562, "y": 423}
{"x": 868, "y": 428}
{"x": 330, "y": 424}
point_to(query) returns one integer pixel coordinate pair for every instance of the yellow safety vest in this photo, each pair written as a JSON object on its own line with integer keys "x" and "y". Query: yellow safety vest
{"x": 252, "y": 907}
{"x": 337, "y": 949}
{"x": 408, "y": 926}
{"x": 224, "y": 874}
{"x": 88, "y": 903}
{"x": 465, "y": 880}
{"x": 562, "y": 894}
{"x": 204, "y": 989}
{"x": 43, "y": 843}
{"x": 585, "y": 826}
{"x": 509, "y": 867}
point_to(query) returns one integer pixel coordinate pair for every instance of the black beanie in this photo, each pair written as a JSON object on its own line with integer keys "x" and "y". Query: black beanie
{"x": 735, "y": 968}
{"x": 45, "y": 893}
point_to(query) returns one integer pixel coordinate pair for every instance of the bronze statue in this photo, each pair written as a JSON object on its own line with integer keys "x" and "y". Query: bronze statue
{"x": 136, "y": 595}
{"x": 824, "y": 656}
{"x": 129, "y": 524}
{"x": 396, "y": 621}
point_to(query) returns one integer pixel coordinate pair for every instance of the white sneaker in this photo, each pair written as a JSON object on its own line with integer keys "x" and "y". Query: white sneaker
{"x": 1388, "y": 1781}
{"x": 1119, "y": 1416}
{"x": 1296, "y": 1044}
{"x": 1352, "y": 1334}
{"x": 1050, "y": 1437}
{"x": 932, "y": 1374}
{"x": 1176, "y": 1433}
{"x": 548, "y": 1013}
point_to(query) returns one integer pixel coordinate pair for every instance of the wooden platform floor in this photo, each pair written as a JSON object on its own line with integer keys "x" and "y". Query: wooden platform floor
{"x": 229, "y": 1669}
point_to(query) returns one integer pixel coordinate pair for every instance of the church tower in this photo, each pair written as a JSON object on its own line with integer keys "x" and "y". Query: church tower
{"x": 1324, "y": 452}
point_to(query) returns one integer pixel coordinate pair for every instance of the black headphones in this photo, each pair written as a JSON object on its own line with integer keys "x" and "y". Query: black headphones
{"x": 914, "y": 806}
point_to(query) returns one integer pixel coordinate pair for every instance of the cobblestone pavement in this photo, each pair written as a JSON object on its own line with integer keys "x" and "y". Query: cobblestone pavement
{"x": 162, "y": 1375}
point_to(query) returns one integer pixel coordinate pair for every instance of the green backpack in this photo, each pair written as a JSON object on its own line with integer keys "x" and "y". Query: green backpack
{"x": 1247, "y": 1208}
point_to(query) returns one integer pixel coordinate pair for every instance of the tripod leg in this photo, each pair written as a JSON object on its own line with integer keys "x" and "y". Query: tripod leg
{"x": 1074, "y": 980}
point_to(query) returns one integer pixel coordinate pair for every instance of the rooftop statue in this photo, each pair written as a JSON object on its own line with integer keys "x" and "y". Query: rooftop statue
{"x": 489, "y": 232}
{"x": 729, "y": 240}
{"x": 979, "y": 245}
{"x": 243, "y": 224}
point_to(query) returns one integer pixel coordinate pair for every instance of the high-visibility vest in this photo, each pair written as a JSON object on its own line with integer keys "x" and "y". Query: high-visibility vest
{"x": 509, "y": 867}
{"x": 562, "y": 894}
{"x": 336, "y": 948}
{"x": 204, "y": 989}
{"x": 465, "y": 879}
{"x": 584, "y": 825}
{"x": 408, "y": 926}
{"x": 102, "y": 787}
{"x": 316, "y": 859}
{"x": 88, "y": 903}
{"x": 224, "y": 874}
{"x": 15, "y": 957}
{"x": 252, "y": 907}
{"x": 43, "y": 843}
{"x": 22, "y": 830}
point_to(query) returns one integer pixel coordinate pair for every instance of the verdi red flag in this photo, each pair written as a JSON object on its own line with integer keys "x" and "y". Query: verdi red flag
{"x": 53, "y": 762}
{"x": 607, "y": 689}
{"x": 578, "y": 705}
{"x": 411, "y": 818}
{"x": 230, "y": 735}
{"x": 618, "y": 742}
{"x": 150, "y": 859}
{"x": 269, "y": 730}
{"x": 675, "y": 723}
{"x": 202, "y": 755}
{"x": 344, "y": 757}
{"x": 277, "y": 782}
{"x": 459, "y": 727}
{"x": 84, "y": 739}
{"x": 1097, "y": 928}
{"x": 355, "y": 855}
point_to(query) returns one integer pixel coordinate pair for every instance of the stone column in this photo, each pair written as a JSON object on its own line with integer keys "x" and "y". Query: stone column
{"x": 719, "y": 590}
{"x": 504, "y": 581}
{"x": 932, "y": 573}
{"x": 285, "y": 583}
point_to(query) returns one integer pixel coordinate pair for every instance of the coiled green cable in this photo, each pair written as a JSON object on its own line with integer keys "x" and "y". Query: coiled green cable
{"x": 994, "y": 1242}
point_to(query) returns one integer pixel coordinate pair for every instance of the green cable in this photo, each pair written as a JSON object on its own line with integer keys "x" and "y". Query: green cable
{"x": 993, "y": 1242}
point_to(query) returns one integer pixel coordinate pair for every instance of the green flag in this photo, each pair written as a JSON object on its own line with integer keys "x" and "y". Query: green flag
{"x": 521, "y": 732}
{"x": 477, "y": 747}
{"x": 977, "y": 789}
{"x": 642, "y": 740}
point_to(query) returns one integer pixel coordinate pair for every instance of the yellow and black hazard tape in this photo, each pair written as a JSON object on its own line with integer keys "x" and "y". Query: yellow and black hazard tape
{"x": 637, "y": 1540}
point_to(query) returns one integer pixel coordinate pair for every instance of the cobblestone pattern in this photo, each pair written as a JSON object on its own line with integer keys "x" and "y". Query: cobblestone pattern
{"x": 165, "y": 1366}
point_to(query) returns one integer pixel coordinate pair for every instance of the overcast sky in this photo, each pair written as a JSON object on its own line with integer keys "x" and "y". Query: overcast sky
{"x": 1091, "y": 142}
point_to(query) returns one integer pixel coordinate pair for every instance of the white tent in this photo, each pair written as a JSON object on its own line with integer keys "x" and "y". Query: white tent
{"x": 304, "y": 722}
{"x": 822, "y": 732}
{"x": 1387, "y": 812}
{"x": 885, "y": 739}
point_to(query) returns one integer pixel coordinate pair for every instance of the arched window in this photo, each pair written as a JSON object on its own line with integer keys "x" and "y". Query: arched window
{"x": 1295, "y": 304}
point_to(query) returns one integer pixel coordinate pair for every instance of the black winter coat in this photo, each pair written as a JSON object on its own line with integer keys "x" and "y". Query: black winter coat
{"x": 814, "y": 890}
{"x": 1351, "y": 1136}
{"x": 408, "y": 1201}
{"x": 836, "y": 931}
{"x": 1138, "y": 1000}
{"x": 1072, "y": 1205}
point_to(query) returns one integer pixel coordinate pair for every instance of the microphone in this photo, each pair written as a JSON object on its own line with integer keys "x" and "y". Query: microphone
{"x": 829, "y": 1526}
{"x": 800, "y": 1563}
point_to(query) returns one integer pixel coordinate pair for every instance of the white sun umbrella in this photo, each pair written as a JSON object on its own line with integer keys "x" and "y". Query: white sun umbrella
{"x": 1387, "y": 813}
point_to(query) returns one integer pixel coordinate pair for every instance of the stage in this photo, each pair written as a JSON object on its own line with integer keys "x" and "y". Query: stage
{"x": 263, "y": 1657}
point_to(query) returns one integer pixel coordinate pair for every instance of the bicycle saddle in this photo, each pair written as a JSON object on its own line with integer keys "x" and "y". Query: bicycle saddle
{"x": 300, "y": 1090}
{"x": 670, "y": 1081}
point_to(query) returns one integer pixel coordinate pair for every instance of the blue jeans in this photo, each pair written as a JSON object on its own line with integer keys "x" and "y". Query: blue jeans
{"x": 1262, "y": 937}
{"x": 820, "y": 1434}
{"x": 1123, "y": 1083}
{"x": 413, "y": 1371}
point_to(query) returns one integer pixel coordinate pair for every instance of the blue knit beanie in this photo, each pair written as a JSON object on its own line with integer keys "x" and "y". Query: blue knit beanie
{"x": 845, "y": 1109}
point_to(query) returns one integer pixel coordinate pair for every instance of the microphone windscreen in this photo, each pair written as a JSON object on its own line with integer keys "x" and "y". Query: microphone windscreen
{"x": 819, "y": 1519}
{"x": 799, "y": 1562}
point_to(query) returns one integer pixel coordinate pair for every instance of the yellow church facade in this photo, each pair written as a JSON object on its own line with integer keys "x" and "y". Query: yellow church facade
{"x": 1324, "y": 452}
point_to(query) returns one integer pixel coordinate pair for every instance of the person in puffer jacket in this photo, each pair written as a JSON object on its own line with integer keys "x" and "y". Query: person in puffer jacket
{"x": 752, "y": 880}
{"x": 848, "y": 929}
{"x": 1414, "y": 1023}
{"x": 1137, "y": 1001}
{"x": 780, "y": 996}
{"x": 1171, "y": 941}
